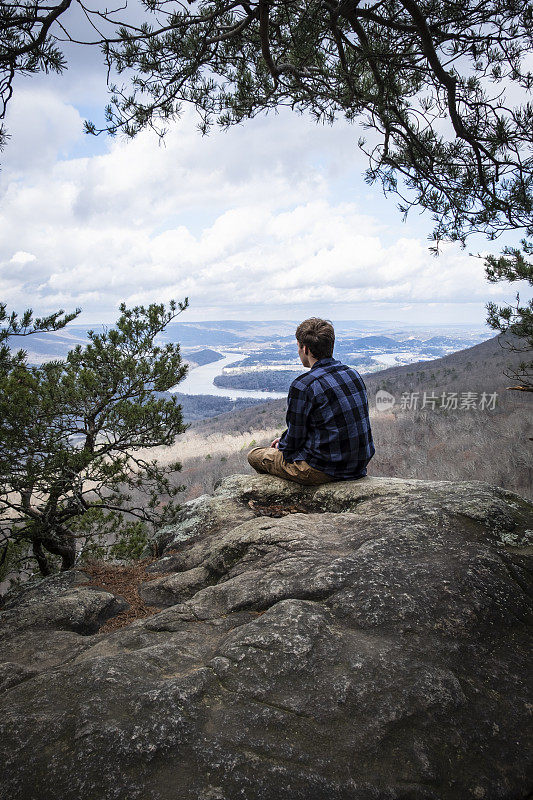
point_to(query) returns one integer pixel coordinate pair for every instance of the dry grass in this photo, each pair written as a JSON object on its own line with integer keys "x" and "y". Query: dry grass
{"x": 193, "y": 444}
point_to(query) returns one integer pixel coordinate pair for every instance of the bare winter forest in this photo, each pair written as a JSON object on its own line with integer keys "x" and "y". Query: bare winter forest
{"x": 493, "y": 445}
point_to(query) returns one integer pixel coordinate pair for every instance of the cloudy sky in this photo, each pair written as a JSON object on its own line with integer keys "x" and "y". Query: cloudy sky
{"x": 270, "y": 220}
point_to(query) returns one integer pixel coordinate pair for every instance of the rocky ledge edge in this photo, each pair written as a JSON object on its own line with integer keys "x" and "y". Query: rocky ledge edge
{"x": 369, "y": 642}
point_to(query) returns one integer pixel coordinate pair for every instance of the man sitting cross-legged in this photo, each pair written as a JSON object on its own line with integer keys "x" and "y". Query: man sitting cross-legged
{"x": 328, "y": 436}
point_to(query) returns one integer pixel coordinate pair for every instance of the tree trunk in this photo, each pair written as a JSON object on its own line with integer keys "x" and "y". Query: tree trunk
{"x": 64, "y": 546}
{"x": 42, "y": 561}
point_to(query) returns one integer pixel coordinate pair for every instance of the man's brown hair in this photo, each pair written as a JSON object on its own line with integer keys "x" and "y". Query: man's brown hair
{"x": 318, "y": 335}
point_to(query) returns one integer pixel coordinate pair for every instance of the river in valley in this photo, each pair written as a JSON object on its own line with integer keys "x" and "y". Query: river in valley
{"x": 200, "y": 381}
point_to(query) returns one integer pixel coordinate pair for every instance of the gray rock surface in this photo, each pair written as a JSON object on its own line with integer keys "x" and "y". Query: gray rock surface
{"x": 374, "y": 648}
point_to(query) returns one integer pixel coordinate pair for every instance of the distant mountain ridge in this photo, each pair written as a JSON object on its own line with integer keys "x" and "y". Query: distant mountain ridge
{"x": 480, "y": 367}
{"x": 273, "y": 335}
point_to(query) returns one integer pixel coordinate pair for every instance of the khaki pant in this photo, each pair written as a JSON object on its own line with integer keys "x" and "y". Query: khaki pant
{"x": 270, "y": 459}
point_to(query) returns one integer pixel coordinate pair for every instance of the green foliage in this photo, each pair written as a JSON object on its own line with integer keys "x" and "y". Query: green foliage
{"x": 516, "y": 320}
{"x": 26, "y": 326}
{"x": 13, "y": 559}
{"x": 76, "y": 434}
{"x": 511, "y": 265}
{"x": 131, "y": 543}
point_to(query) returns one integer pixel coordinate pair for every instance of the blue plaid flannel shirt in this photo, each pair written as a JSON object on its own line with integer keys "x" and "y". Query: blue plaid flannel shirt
{"x": 327, "y": 421}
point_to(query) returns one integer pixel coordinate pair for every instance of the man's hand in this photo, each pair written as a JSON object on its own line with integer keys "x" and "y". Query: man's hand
{"x": 275, "y": 444}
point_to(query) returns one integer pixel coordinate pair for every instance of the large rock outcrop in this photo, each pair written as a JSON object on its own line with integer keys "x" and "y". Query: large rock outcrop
{"x": 371, "y": 646}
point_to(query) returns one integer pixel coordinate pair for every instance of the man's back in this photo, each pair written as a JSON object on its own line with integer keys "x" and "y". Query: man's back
{"x": 327, "y": 421}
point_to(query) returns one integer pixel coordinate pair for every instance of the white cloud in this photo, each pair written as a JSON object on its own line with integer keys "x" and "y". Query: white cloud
{"x": 242, "y": 219}
{"x": 20, "y": 257}
{"x": 41, "y": 129}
